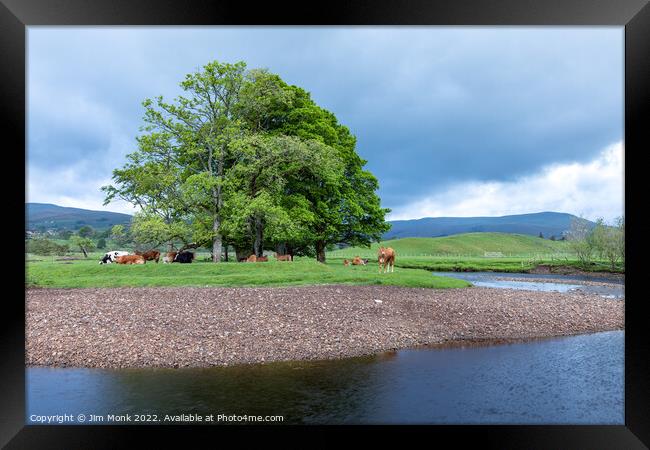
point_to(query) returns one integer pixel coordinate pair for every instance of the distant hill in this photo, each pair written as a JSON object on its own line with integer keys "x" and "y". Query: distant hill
{"x": 476, "y": 244}
{"x": 52, "y": 217}
{"x": 548, "y": 223}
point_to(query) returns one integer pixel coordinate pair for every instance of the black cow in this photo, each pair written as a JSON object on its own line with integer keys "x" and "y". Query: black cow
{"x": 184, "y": 257}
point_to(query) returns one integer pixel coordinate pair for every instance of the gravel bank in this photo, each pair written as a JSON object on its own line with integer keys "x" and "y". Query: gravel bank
{"x": 181, "y": 327}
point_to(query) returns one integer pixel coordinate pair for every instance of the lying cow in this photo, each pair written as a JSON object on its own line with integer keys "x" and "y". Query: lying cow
{"x": 252, "y": 258}
{"x": 346, "y": 262}
{"x": 130, "y": 259}
{"x": 283, "y": 257}
{"x": 169, "y": 257}
{"x": 109, "y": 257}
{"x": 150, "y": 255}
{"x": 184, "y": 257}
{"x": 262, "y": 258}
{"x": 358, "y": 261}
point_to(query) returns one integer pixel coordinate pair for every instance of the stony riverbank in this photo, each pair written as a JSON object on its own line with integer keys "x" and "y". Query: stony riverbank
{"x": 200, "y": 327}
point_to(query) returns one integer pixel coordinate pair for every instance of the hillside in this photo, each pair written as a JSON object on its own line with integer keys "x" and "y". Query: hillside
{"x": 53, "y": 217}
{"x": 475, "y": 244}
{"x": 547, "y": 223}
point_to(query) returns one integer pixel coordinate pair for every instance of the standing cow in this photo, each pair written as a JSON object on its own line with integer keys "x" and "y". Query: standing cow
{"x": 386, "y": 257}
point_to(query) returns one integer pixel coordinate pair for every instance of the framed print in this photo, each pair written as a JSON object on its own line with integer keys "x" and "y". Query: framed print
{"x": 372, "y": 216}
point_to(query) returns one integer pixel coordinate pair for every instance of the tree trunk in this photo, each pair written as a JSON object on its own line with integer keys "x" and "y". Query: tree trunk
{"x": 258, "y": 246}
{"x": 84, "y": 251}
{"x": 216, "y": 242}
{"x": 320, "y": 251}
{"x": 225, "y": 254}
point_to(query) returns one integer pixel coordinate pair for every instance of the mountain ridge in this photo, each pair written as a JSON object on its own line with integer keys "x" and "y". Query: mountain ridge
{"x": 549, "y": 223}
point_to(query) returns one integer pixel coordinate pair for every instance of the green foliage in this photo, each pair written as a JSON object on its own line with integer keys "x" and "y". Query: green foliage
{"x": 608, "y": 241}
{"x": 84, "y": 244}
{"x": 86, "y": 231}
{"x": 101, "y": 243}
{"x": 45, "y": 247}
{"x": 150, "y": 230}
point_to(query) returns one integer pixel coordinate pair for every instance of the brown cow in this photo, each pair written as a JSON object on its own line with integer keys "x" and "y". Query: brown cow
{"x": 130, "y": 259}
{"x": 150, "y": 255}
{"x": 252, "y": 258}
{"x": 346, "y": 262}
{"x": 357, "y": 261}
{"x": 386, "y": 257}
{"x": 169, "y": 257}
{"x": 283, "y": 257}
{"x": 262, "y": 258}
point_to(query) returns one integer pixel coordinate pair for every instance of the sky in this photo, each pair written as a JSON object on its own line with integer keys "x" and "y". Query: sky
{"x": 453, "y": 121}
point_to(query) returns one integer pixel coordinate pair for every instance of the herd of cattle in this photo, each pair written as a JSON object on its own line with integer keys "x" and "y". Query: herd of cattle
{"x": 385, "y": 257}
{"x": 121, "y": 257}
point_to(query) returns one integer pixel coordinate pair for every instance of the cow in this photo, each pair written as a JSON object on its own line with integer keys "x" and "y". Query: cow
{"x": 109, "y": 257}
{"x": 150, "y": 255}
{"x": 130, "y": 259}
{"x": 169, "y": 257}
{"x": 184, "y": 257}
{"x": 283, "y": 257}
{"x": 357, "y": 261}
{"x": 252, "y": 258}
{"x": 262, "y": 258}
{"x": 346, "y": 262}
{"x": 365, "y": 261}
{"x": 386, "y": 258}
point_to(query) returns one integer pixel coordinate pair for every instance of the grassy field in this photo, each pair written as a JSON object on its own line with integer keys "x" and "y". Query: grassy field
{"x": 467, "y": 245}
{"x": 88, "y": 273}
{"x": 497, "y": 252}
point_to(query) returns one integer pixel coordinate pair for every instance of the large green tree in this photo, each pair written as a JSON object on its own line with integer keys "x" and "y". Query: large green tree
{"x": 244, "y": 158}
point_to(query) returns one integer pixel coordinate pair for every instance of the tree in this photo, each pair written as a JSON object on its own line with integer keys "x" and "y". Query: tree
{"x": 101, "y": 243}
{"x": 541, "y": 236}
{"x": 580, "y": 240}
{"x": 85, "y": 244}
{"x": 608, "y": 241}
{"x": 86, "y": 231}
{"x": 119, "y": 235}
{"x": 181, "y": 178}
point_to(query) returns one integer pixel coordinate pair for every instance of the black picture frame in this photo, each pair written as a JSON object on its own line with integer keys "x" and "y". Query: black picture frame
{"x": 634, "y": 15}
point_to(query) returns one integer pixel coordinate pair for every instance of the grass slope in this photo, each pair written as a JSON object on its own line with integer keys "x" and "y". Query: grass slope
{"x": 469, "y": 244}
{"x": 88, "y": 273}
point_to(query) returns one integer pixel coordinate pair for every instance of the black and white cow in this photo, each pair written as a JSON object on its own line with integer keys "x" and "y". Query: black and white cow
{"x": 184, "y": 257}
{"x": 109, "y": 257}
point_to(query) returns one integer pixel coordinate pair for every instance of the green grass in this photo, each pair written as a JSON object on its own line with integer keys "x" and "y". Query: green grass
{"x": 469, "y": 244}
{"x": 467, "y": 252}
{"x": 88, "y": 273}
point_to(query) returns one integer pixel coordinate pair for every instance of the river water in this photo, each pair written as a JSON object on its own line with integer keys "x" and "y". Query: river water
{"x": 568, "y": 380}
{"x": 551, "y": 282}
